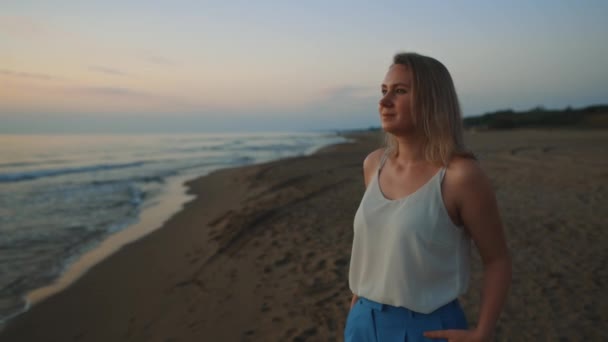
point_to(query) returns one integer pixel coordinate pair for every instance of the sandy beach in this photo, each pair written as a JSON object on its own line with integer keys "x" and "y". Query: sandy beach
{"x": 262, "y": 252}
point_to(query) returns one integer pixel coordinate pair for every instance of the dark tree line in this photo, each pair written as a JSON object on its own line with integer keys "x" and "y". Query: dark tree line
{"x": 587, "y": 117}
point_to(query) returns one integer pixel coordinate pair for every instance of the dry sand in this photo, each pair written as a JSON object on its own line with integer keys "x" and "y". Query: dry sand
{"x": 262, "y": 253}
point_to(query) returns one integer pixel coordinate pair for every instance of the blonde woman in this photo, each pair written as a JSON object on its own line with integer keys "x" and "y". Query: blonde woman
{"x": 426, "y": 200}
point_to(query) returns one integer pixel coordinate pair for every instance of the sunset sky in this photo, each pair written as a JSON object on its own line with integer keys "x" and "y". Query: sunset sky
{"x": 170, "y": 66}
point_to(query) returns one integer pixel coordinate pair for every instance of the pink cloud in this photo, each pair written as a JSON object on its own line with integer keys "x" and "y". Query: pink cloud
{"x": 30, "y": 75}
{"x": 106, "y": 70}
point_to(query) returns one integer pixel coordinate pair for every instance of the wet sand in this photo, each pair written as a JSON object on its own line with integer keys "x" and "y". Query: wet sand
{"x": 262, "y": 253}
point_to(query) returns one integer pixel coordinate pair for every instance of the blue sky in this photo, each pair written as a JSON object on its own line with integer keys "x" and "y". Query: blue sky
{"x": 122, "y": 66}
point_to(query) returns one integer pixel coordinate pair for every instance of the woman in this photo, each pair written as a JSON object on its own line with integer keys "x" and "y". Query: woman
{"x": 427, "y": 198}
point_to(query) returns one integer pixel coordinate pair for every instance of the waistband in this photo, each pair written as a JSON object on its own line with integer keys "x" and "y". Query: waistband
{"x": 399, "y": 309}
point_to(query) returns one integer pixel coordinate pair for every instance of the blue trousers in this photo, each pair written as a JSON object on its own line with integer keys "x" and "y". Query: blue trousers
{"x": 372, "y": 321}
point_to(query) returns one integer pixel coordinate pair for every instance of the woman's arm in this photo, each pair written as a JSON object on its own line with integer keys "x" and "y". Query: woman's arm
{"x": 478, "y": 211}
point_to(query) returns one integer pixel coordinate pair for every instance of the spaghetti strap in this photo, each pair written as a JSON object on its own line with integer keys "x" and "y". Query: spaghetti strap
{"x": 383, "y": 160}
{"x": 441, "y": 174}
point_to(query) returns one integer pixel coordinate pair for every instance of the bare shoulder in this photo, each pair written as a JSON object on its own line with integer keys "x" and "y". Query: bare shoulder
{"x": 466, "y": 177}
{"x": 465, "y": 170}
{"x": 371, "y": 163}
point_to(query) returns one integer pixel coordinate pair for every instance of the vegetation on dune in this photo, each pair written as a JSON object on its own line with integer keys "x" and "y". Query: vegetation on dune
{"x": 539, "y": 117}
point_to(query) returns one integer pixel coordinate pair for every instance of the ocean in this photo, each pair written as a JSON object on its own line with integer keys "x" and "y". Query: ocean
{"x": 63, "y": 195}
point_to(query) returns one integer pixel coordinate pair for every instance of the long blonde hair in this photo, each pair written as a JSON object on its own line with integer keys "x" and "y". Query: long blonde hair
{"x": 436, "y": 106}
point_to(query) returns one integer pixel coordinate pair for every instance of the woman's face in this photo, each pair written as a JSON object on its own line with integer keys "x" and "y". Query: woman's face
{"x": 395, "y": 106}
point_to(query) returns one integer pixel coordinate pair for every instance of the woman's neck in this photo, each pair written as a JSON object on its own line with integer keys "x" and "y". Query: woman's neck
{"x": 410, "y": 150}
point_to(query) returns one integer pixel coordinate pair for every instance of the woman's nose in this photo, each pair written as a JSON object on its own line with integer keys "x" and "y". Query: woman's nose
{"x": 385, "y": 101}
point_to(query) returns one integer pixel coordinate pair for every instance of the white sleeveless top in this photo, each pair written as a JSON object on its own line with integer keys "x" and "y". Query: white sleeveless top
{"x": 407, "y": 252}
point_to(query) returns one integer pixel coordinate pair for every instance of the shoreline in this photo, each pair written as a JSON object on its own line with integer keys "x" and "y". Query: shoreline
{"x": 149, "y": 220}
{"x": 173, "y": 199}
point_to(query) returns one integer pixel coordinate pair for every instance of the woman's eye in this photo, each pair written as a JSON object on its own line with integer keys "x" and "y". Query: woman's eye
{"x": 400, "y": 91}
{"x": 383, "y": 91}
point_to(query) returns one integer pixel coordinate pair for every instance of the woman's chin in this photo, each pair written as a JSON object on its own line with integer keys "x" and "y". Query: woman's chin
{"x": 395, "y": 129}
{"x": 389, "y": 127}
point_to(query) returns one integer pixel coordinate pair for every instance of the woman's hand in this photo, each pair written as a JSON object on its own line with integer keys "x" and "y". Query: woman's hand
{"x": 353, "y": 300}
{"x": 455, "y": 335}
